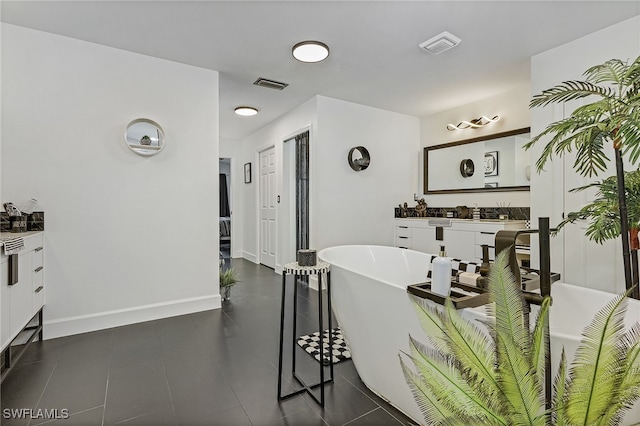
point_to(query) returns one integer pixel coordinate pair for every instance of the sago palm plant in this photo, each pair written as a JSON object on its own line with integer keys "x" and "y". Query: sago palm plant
{"x": 470, "y": 376}
{"x": 613, "y": 117}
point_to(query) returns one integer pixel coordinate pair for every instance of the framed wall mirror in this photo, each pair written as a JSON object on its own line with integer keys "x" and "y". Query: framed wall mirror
{"x": 144, "y": 137}
{"x": 499, "y": 163}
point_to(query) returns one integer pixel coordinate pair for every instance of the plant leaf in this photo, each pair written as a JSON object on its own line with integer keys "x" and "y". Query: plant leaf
{"x": 539, "y": 339}
{"x": 560, "y": 392}
{"x": 595, "y": 372}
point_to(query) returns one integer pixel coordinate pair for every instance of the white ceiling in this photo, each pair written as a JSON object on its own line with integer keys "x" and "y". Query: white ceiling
{"x": 375, "y": 59}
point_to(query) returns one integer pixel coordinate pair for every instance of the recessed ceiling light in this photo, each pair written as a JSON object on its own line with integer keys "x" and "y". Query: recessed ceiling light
{"x": 310, "y": 51}
{"x": 245, "y": 111}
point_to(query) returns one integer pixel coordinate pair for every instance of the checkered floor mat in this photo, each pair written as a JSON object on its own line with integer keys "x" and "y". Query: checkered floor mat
{"x": 311, "y": 344}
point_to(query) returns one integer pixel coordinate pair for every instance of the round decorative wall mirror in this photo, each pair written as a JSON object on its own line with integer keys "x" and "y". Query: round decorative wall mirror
{"x": 467, "y": 168}
{"x": 144, "y": 137}
{"x": 359, "y": 158}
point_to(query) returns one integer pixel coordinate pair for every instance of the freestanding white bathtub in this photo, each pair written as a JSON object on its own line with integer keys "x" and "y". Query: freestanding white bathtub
{"x": 371, "y": 304}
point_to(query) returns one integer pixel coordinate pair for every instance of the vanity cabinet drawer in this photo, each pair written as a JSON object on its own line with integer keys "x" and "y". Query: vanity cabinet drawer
{"x": 485, "y": 237}
{"x": 38, "y": 298}
{"x": 38, "y": 257}
{"x": 403, "y": 231}
{"x": 403, "y": 242}
{"x": 38, "y": 277}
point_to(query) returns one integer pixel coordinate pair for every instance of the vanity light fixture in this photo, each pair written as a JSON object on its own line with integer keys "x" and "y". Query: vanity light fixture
{"x": 246, "y": 111}
{"x": 473, "y": 124}
{"x": 310, "y": 51}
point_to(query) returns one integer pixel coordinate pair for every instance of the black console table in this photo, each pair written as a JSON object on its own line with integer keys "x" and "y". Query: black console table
{"x": 327, "y": 360}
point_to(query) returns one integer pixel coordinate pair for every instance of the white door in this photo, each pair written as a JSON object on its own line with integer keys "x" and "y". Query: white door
{"x": 268, "y": 207}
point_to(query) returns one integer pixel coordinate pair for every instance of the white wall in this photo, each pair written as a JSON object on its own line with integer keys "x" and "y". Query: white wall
{"x": 511, "y": 106}
{"x": 357, "y": 207}
{"x": 295, "y": 121}
{"x": 600, "y": 266}
{"x": 128, "y": 238}
{"x": 346, "y": 207}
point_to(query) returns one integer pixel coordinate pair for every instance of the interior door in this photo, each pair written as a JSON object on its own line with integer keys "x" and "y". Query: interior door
{"x": 268, "y": 241}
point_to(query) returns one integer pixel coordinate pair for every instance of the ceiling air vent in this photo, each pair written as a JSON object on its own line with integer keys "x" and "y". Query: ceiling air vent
{"x": 270, "y": 84}
{"x": 440, "y": 43}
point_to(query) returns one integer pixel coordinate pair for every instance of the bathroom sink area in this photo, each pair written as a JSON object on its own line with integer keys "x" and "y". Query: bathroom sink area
{"x": 4, "y": 236}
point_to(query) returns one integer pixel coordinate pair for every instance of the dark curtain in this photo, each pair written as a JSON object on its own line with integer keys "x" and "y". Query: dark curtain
{"x": 224, "y": 197}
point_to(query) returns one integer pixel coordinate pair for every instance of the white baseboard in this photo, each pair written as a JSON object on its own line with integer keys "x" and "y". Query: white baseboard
{"x": 250, "y": 257}
{"x": 100, "y": 321}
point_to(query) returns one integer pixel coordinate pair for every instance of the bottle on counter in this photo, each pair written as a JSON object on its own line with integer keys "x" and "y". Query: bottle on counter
{"x": 476, "y": 213}
{"x": 441, "y": 274}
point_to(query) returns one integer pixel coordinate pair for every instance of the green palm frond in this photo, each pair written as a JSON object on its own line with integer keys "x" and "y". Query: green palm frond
{"x": 427, "y": 402}
{"x": 597, "y": 388}
{"x": 613, "y": 116}
{"x": 539, "y": 339}
{"x": 560, "y": 393}
{"x": 447, "y": 384}
{"x": 603, "y": 212}
{"x": 568, "y": 91}
{"x": 595, "y": 372}
{"x": 628, "y": 390}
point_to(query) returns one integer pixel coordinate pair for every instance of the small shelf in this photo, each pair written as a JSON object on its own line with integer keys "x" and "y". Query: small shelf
{"x": 459, "y": 299}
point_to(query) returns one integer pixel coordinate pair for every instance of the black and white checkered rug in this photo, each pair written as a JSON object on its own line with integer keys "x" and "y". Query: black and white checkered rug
{"x": 311, "y": 344}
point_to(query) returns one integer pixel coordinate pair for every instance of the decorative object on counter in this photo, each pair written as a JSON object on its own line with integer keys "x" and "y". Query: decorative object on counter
{"x": 476, "y": 213}
{"x": 144, "y": 137}
{"x": 307, "y": 257}
{"x": 491, "y": 163}
{"x": 362, "y": 161}
{"x": 611, "y": 117}
{"x": 228, "y": 278}
{"x": 421, "y": 208}
{"x": 467, "y": 168}
{"x": 491, "y": 184}
{"x": 473, "y": 124}
{"x": 463, "y": 212}
{"x": 247, "y": 172}
{"x": 403, "y": 210}
{"x": 441, "y": 275}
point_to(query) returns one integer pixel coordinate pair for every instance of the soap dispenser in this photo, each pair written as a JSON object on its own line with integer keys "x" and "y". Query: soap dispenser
{"x": 441, "y": 274}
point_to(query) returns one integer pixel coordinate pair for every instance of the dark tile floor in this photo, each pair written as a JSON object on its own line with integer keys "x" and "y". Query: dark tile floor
{"x": 211, "y": 368}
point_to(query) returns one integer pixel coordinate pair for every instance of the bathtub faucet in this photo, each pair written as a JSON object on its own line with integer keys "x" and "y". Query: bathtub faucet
{"x": 506, "y": 240}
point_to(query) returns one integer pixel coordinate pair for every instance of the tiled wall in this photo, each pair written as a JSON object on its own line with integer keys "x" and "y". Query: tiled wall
{"x": 35, "y": 222}
{"x": 514, "y": 213}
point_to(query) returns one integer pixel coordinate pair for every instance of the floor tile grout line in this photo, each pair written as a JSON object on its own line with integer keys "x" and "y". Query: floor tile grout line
{"x": 361, "y": 416}
{"x": 44, "y": 389}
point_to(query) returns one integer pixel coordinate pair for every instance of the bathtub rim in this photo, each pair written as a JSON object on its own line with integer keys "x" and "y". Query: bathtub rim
{"x": 364, "y": 274}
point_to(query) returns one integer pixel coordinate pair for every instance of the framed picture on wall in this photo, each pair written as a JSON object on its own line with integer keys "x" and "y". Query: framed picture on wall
{"x": 491, "y": 163}
{"x": 247, "y": 173}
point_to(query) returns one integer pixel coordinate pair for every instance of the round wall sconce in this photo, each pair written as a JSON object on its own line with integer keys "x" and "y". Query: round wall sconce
{"x": 144, "y": 137}
{"x": 467, "y": 168}
{"x": 310, "y": 51}
{"x": 359, "y": 158}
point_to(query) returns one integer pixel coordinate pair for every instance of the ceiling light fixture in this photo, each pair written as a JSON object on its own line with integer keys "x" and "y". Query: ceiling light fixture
{"x": 473, "y": 124}
{"x": 246, "y": 111}
{"x": 310, "y": 51}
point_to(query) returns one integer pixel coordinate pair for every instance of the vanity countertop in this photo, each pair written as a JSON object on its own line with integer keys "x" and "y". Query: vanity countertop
{"x": 4, "y": 236}
{"x": 454, "y": 219}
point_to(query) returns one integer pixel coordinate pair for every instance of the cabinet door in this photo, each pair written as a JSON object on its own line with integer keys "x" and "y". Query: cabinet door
{"x": 424, "y": 240}
{"x": 5, "y": 306}
{"x": 22, "y": 294}
{"x": 460, "y": 244}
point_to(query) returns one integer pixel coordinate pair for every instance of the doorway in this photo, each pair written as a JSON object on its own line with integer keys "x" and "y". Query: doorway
{"x": 267, "y": 190}
{"x": 224, "y": 168}
{"x": 296, "y": 195}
